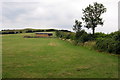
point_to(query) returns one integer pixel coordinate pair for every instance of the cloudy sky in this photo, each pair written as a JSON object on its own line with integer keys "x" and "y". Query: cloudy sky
{"x": 58, "y": 14}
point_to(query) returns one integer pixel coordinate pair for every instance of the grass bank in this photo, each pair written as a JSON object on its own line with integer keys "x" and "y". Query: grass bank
{"x": 53, "y": 58}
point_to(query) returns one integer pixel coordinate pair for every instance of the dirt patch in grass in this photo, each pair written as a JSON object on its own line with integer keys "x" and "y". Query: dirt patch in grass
{"x": 82, "y": 68}
{"x": 67, "y": 73}
{"x": 52, "y": 44}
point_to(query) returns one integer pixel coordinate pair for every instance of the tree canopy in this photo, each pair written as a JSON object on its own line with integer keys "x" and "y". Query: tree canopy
{"x": 92, "y": 15}
{"x": 77, "y": 26}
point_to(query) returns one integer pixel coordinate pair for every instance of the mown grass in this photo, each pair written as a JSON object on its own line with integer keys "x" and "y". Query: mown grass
{"x": 53, "y": 58}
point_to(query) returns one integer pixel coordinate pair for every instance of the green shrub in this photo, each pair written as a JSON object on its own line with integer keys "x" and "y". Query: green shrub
{"x": 72, "y": 36}
{"x": 116, "y": 36}
{"x": 58, "y": 33}
{"x": 99, "y": 35}
{"x": 108, "y": 45}
{"x": 65, "y": 35}
{"x": 84, "y": 38}
{"x": 111, "y": 35}
{"x": 79, "y": 34}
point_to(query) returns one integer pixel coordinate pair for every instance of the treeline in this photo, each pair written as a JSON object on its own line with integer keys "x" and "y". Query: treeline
{"x": 104, "y": 42}
{"x": 29, "y": 31}
{"x": 26, "y": 31}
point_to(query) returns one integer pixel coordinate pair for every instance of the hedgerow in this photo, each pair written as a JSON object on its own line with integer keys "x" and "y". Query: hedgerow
{"x": 104, "y": 42}
{"x": 111, "y": 44}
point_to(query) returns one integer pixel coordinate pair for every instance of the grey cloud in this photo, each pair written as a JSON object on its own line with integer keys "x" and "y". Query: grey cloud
{"x": 53, "y": 14}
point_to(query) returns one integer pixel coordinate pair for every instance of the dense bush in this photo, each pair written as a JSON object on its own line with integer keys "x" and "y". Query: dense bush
{"x": 79, "y": 33}
{"x": 78, "y": 36}
{"x": 82, "y": 37}
{"x": 65, "y": 35}
{"x": 99, "y": 35}
{"x": 116, "y": 36}
{"x": 108, "y": 45}
{"x": 86, "y": 37}
{"x": 72, "y": 36}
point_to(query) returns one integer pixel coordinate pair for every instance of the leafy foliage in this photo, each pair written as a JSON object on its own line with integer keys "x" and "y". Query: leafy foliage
{"x": 92, "y": 15}
{"x": 100, "y": 35}
{"x": 65, "y": 35}
{"x": 79, "y": 33}
{"x": 117, "y": 36}
{"x": 77, "y": 26}
{"x": 108, "y": 44}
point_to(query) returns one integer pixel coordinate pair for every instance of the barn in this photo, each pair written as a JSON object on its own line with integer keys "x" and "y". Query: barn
{"x": 44, "y": 34}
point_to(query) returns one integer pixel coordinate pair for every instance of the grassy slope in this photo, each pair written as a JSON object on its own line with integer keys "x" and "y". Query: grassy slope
{"x": 53, "y": 58}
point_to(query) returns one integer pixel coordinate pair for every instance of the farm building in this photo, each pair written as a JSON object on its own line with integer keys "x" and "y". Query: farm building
{"x": 44, "y": 34}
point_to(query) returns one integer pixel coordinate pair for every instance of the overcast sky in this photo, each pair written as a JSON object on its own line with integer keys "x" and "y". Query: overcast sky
{"x": 58, "y": 14}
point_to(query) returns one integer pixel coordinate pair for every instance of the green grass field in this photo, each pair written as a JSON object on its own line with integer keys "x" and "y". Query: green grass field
{"x": 53, "y": 58}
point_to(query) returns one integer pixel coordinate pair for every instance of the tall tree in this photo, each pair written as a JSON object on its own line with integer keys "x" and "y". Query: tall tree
{"x": 92, "y": 15}
{"x": 77, "y": 26}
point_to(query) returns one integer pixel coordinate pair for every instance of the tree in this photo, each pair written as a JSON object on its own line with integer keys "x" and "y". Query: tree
{"x": 92, "y": 16}
{"x": 77, "y": 26}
